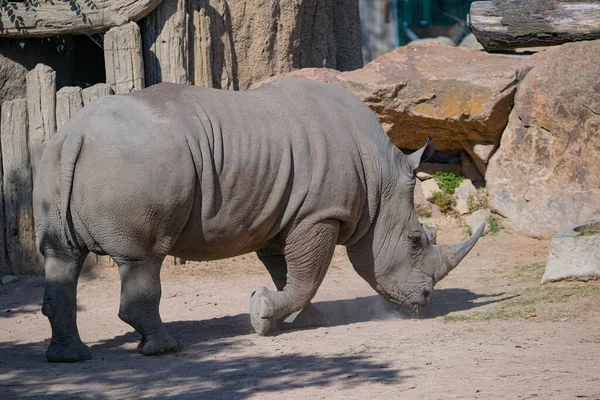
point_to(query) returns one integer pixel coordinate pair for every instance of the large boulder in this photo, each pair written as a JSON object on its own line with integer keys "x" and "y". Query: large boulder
{"x": 460, "y": 97}
{"x": 546, "y": 173}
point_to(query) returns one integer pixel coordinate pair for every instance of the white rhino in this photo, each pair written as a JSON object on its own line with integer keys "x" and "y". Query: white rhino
{"x": 289, "y": 171}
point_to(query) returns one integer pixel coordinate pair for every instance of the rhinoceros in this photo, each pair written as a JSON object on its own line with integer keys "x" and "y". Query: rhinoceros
{"x": 288, "y": 171}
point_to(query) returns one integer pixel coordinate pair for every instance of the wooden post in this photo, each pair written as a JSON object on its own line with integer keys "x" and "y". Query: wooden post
{"x": 68, "y": 102}
{"x": 41, "y": 110}
{"x": 17, "y": 189}
{"x": 211, "y": 60}
{"x": 165, "y": 41}
{"x": 123, "y": 58}
{"x": 93, "y": 92}
{"x": 509, "y": 24}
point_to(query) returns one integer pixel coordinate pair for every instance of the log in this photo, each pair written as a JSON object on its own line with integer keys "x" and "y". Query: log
{"x": 93, "y": 92}
{"x": 165, "y": 41}
{"x": 510, "y": 24}
{"x": 123, "y": 58}
{"x": 41, "y": 110}
{"x": 54, "y": 18}
{"x": 17, "y": 190}
{"x": 68, "y": 102}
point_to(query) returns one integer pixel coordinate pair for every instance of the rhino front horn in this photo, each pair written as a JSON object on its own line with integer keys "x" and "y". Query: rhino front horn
{"x": 451, "y": 255}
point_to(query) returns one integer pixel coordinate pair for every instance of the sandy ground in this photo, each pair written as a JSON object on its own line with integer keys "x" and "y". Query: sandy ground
{"x": 481, "y": 337}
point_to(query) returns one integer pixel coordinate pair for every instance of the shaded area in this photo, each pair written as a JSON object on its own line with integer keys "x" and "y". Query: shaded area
{"x": 204, "y": 370}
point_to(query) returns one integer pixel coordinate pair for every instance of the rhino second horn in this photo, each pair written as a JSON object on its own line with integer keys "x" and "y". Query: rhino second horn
{"x": 452, "y": 255}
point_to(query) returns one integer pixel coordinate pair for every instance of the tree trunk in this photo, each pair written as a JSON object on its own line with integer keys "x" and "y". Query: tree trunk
{"x": 41, "y": 110}
{"x": 164, "y": 37}
{"x": 68, "y": 102}
{"x": 509, "y": 24}
{"x": 123, "y": 58}
{"x": 93, "y": 92}
{"x": 17, "y": 189}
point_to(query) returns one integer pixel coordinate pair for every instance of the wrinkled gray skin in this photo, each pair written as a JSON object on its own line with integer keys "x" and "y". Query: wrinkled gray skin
{"x": 288, "y": 171}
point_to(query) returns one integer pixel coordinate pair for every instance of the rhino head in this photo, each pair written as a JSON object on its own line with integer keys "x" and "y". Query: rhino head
{"x": 401, "y": 259}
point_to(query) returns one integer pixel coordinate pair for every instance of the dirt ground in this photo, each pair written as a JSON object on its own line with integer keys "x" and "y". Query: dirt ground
{"x": 491, "y": 331}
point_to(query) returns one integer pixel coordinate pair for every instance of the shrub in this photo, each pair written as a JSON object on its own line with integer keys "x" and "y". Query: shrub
{"x": 448, "y": 181}
{"x": 444, "y": 201}
{"x": 492, "y": 224}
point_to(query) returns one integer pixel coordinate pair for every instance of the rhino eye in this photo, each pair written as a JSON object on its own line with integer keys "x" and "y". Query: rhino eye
{"x": 414, "y": 240}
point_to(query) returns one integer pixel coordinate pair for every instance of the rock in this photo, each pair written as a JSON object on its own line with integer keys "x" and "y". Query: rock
{"x": 462, "y": 206}
{"x": 424, "y": 175}
{"x": 68, "y": 102}
{"x": 279, "y": 36}
{"x": 477, "y": 218}
{"x": 165, "y": 40}
{"x": 470, "y": 42}
{"x": 575, "y": 253}
{"x": 326, "y": 75}
{"x": 546, "y": 172}
{"x": 422, "y": 206}
{"x": 465, "y": 190}
{"x": 429, "y": 187}
{"x": 469, "y": 170}
{"x": 56, "y": 18}
{"x": 93, "y": 92}
{"x": 443, "y": 40}
{"x": 17, "y": 189}
{"x": 459, "y": 97}
{"x": 8, "y": 279}
{"x": 454, "y": 95}
{"x": 123, "y": 58}
{"x": 12, "y": 80}
{"x": 41, "y": 111}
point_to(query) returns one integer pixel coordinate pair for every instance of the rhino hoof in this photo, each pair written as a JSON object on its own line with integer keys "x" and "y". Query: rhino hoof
{"x": 261, "y": 308}
{"x": 67, "y": 350}
{"x": 162, "y": 343}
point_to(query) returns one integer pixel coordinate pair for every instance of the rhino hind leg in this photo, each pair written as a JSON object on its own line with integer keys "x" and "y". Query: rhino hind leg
{"x": 307, "y": 317}
{"x": 308, "y": 253}
{"x": 140, "y": 300}
{"x": 60, "y": 306}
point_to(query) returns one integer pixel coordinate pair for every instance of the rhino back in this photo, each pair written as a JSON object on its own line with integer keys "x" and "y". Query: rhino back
{"x": 263, "y": 161}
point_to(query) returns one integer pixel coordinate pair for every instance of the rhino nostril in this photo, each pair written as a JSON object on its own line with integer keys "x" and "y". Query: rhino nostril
{"x": 426, "y": 293}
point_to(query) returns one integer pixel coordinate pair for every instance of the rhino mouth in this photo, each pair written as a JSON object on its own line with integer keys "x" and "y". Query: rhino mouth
{"x": 403, "y": 301}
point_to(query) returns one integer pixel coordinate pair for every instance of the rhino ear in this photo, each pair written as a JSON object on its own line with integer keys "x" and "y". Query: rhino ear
{"x": 421, "y": 155}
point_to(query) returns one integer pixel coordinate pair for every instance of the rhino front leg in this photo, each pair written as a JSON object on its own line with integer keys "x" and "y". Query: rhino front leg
{"x": 307, "y": 317}
{"x": 60, "y": 306}
{"x": 308, "y": 252}
{"x": 140, "y": 300}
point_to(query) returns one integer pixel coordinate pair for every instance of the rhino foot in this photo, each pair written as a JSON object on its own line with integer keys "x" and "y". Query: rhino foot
{"x": 161, "y": 343}
{"x": 261, "y": 309}
{"x": 308, "y": 317}
{"x": 69, "y": 349}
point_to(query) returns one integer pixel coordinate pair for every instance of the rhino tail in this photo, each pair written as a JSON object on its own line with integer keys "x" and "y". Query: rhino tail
{"x": 68, "y": 159}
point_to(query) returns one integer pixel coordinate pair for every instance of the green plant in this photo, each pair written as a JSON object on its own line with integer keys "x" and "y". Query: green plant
{"x": 492, "y": 224}
{"x": 477, "y": 201}
{"x": 444, "y": 201}
{"x": 427, "y": 214}
{"x": 469, "y": 230}
{"x": 448, "y": 181}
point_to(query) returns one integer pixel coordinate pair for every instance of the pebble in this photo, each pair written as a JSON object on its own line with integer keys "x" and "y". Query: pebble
{"x": 8, "y": 279}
